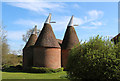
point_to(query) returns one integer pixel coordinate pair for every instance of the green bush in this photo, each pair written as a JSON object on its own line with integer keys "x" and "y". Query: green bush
{"x": 42, "y": 70}
{"x": 95, "y": 60}
{"x": 5, "y": 66}
{"x": 17, "y": 68}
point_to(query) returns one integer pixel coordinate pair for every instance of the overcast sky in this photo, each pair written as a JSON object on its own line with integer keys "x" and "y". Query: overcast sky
{"x": 93, "y": 18}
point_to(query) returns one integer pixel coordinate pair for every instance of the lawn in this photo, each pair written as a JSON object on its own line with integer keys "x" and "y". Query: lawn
{"x": 21, "y": 75}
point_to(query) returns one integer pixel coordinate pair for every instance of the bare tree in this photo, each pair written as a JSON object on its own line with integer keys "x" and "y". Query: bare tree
{"x": 26, "y": 36}
{"x": 4, "y": 45}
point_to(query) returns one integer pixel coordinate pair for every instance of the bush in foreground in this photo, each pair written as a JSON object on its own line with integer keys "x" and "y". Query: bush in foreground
{"x": 95, "y": 60}
{"x": 17, "y": 68}
{"x": 42, "y": 70}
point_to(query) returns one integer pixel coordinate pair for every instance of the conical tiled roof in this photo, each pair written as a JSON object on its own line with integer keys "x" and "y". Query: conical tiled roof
{"x": 70, "y": 37}
{"x": 47, "y": 37}
{"x": 32, "y": 39}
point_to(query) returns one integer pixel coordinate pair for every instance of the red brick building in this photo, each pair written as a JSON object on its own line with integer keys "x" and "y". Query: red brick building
{"x": 28, "y": 50}
{"x": 47, "y": 51}
{"x": 69, "y": 41}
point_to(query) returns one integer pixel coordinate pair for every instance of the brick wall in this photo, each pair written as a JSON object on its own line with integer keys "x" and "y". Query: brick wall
{"x": 65, "y": 54}
{"x": 27, "y": 57}
{"x": 47, "y": 57}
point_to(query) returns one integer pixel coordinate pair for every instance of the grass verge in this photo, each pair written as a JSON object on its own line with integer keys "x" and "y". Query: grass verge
{"x": 22, "y": 75}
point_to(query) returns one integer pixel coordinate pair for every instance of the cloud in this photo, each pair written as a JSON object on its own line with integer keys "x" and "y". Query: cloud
{"x": 40, "y": 7}
{"x": 89, "y": 27}
{"x": 28, "y": 23}
{"x": 61, "y": 0}
{"x": 91, "y": 20}
{"x": 45, "y": 7}
{"x": 22, "y": 0}
{"x": 62, "y": 22}
{"x": 96, "y": 23}
{"x": 95, "y": 14}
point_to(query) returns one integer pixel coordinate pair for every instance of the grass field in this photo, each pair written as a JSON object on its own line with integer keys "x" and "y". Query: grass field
{"x": 21, "y": 75}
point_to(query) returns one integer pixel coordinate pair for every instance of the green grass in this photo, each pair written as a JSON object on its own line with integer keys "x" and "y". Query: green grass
{"x": 21, "y": 75}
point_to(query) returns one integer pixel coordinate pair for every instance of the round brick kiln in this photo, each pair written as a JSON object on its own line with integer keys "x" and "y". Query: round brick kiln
{"x": 69, "y": 41}
{"x": 28, "y": 50}
{"x": 47, "y": 52}
{"x": 47, "y": 57}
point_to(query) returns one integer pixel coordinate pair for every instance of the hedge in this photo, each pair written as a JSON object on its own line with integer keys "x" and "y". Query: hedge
{"x": 42, "y": 70}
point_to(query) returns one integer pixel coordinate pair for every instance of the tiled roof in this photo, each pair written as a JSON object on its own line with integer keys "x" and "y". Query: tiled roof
{"x": 47, "y": 37}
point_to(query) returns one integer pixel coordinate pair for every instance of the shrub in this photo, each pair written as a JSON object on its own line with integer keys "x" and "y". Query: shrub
{"x": 5, "y": 66}
{"x": 11, "y": 60}
{"x": 42, "y": 70}
{"x": 17, "y": 68}
{"x": 95, "y": 60}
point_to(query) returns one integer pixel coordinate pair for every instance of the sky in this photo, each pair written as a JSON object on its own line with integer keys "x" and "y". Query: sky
{"x": 93, "y": 18}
